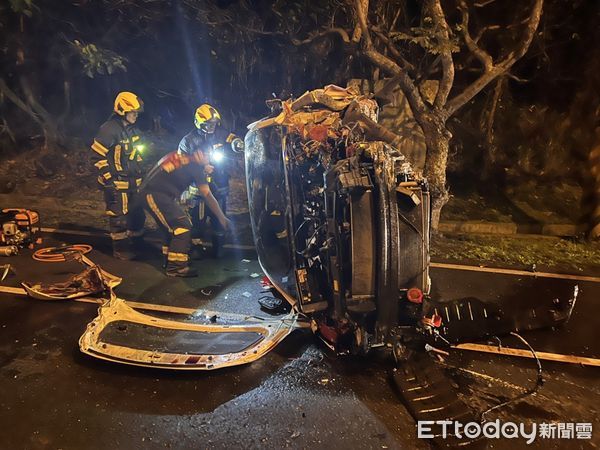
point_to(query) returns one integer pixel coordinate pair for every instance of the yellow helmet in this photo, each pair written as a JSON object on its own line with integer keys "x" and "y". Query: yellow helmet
{"x": 127, "y": 102}
{"x": 207, "y": 118}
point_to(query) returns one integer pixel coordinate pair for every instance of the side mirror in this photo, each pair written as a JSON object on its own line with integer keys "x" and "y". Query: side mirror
{"x": 237, "y": 145}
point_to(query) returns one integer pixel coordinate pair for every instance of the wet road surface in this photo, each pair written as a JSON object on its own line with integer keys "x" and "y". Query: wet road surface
{"x": 297, "y": 396}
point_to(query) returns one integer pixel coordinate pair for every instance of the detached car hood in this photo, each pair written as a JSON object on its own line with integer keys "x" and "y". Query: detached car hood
{"x": 203, "y": 341}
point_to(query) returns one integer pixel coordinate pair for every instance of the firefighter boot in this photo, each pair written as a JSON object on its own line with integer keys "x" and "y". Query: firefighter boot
{"x": 198, "y": 249}
{"x": 185, "y": 271}
{"x": 218, "y": 239}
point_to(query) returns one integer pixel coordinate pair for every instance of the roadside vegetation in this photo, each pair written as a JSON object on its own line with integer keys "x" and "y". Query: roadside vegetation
{"x": 534, "y": 253}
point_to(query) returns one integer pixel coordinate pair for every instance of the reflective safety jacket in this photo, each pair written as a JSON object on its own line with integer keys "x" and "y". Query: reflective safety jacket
{"x": 197, "y": 140}
{"x": 116, "y": 156}
{"x": 173, "y": 174}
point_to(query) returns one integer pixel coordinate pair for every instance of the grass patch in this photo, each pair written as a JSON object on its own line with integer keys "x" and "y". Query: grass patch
{"x": 531, "y": 252}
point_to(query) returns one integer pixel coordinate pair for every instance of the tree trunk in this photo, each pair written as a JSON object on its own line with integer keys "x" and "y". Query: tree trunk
{"x": 594, "y": 195}
{"x": 66, "y": 112}
{"x": 437, "y": 140}
{"x": 52, "y": 135}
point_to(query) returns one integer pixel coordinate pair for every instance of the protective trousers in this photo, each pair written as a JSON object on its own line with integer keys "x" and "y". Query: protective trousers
{"x": 200, "y": 213}
{"x": 175, "y": 226}
{"x": 125, "y": 218}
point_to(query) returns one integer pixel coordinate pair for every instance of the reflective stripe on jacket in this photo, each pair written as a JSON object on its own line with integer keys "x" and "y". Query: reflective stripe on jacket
{"x": 115, "y": 156}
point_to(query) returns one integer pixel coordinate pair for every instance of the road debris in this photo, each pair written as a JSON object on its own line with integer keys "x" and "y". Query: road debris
{"x": 92, "y": 280}
{"x": 4, "y": 270}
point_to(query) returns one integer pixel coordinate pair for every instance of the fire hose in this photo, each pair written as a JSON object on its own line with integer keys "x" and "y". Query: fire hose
{"x": 62, "y": 253}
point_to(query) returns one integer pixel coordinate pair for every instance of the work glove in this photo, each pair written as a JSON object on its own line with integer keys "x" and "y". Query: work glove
{"x": 190, "y": 197}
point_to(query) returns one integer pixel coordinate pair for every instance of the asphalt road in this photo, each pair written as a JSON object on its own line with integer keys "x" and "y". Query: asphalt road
{"x": 297, "y": 396}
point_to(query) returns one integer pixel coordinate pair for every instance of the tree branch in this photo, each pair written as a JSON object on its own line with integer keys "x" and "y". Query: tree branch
{"x": 393, "y": 50}
{"x": 357, "y": 33}
{"x": 489, "y": 123}
{"x": 516, "y": 78}
{"x": 443, "y": 37}
{"x": 531, "y": 25}
{"x": 408, "y": 86}
{"x": 362, "y": 9}
{"x": 384, "y": 95}
{"x": 373, "y": 129}
{"x": 33, "y": 103}
{"x": 431, "y": 68}
{"x": 483, "y": 30}
{"x": 395, "y": 20}
{"x": 339, "y": 31}
{"x": 501, "y": 67}
{"x": 484, "y": 3}
{"x": 17, "y": 101}
{"x": 471, "y": 43}
{"x": 4, "y": 128}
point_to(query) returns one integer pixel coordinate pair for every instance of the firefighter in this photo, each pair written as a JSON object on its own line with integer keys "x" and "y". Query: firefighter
{"x": 117, "y": 156}
{"x": 160, "y": 193}
{"x": 206, "y": 136}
